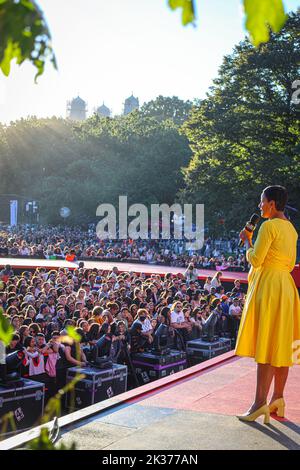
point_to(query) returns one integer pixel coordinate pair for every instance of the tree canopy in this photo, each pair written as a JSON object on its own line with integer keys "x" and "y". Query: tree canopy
{"x": 245, "y": 134}
{"x": 165, "y": 107}
{"x": 81, "y": 165}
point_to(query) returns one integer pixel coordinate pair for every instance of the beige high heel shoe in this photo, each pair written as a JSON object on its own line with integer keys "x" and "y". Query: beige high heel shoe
{"x": 263, "y": 410}
{"x": 277, "y": 406}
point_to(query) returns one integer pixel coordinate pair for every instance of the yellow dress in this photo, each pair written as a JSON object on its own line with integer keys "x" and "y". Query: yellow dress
{"x": 270, "y": 322}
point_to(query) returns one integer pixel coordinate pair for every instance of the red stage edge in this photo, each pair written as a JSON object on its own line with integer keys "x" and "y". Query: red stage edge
{"x": 227, "y": 276}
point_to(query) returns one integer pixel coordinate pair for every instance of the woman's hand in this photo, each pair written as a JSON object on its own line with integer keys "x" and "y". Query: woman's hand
{"x": 246, "y": 236}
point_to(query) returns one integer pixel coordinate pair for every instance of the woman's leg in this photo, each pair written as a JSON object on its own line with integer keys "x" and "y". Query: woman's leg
{"x": 265, "y": 373}
{"x": 280, "y": 378}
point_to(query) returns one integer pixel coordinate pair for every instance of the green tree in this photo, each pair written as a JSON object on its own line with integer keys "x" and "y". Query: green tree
{"x": 81, "y": 165}
{"x": 245, "y": 134}
{"x": 165, "y": 107}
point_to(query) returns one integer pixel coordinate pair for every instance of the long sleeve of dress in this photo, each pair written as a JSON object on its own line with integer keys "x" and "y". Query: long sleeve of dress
{"x": 257, "y": 254}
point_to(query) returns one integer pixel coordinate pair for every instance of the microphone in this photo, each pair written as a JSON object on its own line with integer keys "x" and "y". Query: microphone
{"x": 250, "y": 226}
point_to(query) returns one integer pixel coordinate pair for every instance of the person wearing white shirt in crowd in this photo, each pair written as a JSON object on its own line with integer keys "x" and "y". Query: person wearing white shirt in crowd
{"x": 235, "y": 312}
{"x": 178, "y": 321}
{"x": 34, "y": 356}
{"x": 177, "y": 315}
{"x": 216, "y": 253}
{"x": 207, "y": 286}
{"x": 24, "y": 250}
{"x": 216, "y": 282}
{"x": 149, "y": 256}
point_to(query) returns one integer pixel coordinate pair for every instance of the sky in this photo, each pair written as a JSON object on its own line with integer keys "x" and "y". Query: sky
{"x": 108, "y": 49}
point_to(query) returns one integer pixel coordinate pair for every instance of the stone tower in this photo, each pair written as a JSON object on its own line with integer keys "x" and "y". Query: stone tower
{"x": 77, "y": 109}
{"x": 131, "y": 104}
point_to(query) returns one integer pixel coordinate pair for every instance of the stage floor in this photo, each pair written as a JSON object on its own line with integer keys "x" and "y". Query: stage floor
{"x": 27, "y": 263}
{"x": 195, "y": 413}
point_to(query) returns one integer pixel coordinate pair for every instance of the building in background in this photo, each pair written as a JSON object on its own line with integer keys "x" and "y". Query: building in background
{"x": 103, "y": 111}
{"x": 77, "y": 109}
{"x": 131, "y": 104}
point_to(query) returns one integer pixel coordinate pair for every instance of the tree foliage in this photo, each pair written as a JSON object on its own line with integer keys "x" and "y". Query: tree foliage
{"x": 262, "y": 16}
{"x": 165, "y": 107}
{"x": 81, "y": 165}
{"x": 43, "y": 442}
{"x": 6, "y": 330}
{"x": 24, "y": 35}
{"x": 188, "y": 14}
{"x": 245, "y": 134}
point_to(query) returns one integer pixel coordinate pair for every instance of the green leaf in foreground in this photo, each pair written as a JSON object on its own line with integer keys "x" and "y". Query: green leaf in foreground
{"x": 188, "y": 10}
{"x": 261, "y": 16}
{"x": 24, "y": 35}
{"x": 43, "y": 442}
{"x": 73, "y": 334}
{"x": 6, "y": 330}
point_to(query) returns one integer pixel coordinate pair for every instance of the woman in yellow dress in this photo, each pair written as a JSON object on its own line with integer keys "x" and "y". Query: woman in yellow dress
{"x": 270, "y": 322}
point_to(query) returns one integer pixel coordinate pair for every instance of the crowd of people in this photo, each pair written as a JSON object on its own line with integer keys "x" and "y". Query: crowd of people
{"x": 78, "y": 244}
{"x": 126, "y": 308}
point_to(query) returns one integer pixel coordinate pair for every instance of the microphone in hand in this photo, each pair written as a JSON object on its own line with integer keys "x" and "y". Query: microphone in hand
{"x": 250, "y": 226}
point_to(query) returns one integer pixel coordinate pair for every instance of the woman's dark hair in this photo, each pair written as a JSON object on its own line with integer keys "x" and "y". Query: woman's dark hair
{"x": 30, "y": 307}
{"x": 50, "y": 328}
{"x": 278, "y": 194}
{"x": 93, "y": 333}
{"x": 165, "y": 313}
{"x": 27, "y": 341}
{"x": 132, "y": 307}
{"x": 12, "y": 311}
{"x": 197, "y": 294}
{"x": 22, "y": 330}
{"x": 195, "y": 312}
{"x": 81, "y": 333}
{"x": 34, "y": 327}
{"x": 76, "y": 315}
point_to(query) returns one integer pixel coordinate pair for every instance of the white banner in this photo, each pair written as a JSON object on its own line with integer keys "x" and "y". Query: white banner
{"x": 13, "y": 212}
